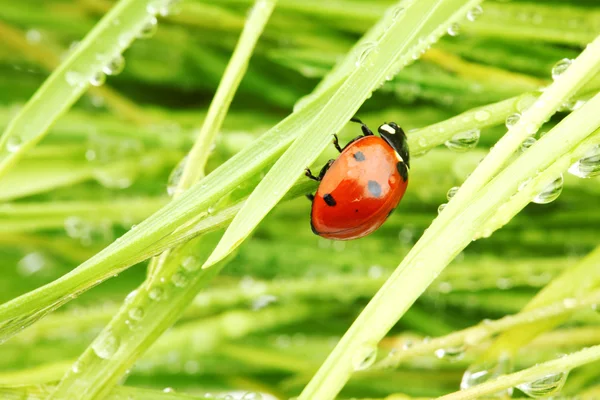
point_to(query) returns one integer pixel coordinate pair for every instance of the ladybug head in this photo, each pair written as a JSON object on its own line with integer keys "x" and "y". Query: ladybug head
{"x": 395, "y": 137}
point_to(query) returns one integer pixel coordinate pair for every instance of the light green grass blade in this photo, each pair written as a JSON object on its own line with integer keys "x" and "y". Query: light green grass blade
{"x": 69, "y": 81}
{"x": 559, "y": 366}
{"x": 374, "y": 65}
{"x": 423, "y": 264}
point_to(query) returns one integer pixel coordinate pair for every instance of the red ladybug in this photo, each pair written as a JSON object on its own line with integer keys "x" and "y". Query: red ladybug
{"x": 361, "y": 188}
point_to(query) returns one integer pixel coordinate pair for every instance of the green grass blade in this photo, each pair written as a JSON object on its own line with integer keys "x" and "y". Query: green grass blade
{"x": 113, "y": 34}
{"x": 377, "y": 62}
{"x": 559, "y": 366}
{"x": 219, "y": 106}
{"x": 424, "y": 263}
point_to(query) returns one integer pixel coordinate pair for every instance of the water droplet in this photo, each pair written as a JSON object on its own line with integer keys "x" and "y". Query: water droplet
{"x": 363, "y": 54}
{"x": 451, "y": 353}
{"x": 452, "y": 192}
{"x": 464, "y": 141}
{"x": 75, "y": 367}
{"x": 33, "y": 36}
{"x": 115, "y": 66}
{"x": 474, "y": 13}
{"x": 98, "y": 79}
{"x": 454, "y": 29}
{"x": 512, "y": 120}
{"x": 252, "y": 396}
{"x": 441, "y": 207}
{"x": 589, "y": 165}
{"x": 74, "y": 79}
{"x": 545, "y": 386}
{"x": 156, "y": 294}
{"x": 168, "y": 390}
{"x": 190, "y": 263}
{"x": 560, "y": 67}
{"x": 13, "y": 143}
{"x": 149, "y": 28}
{"x": 364, "y": 357}
{"x": 179, "y": 279}
{"x": 527, "y": 143}
{"x": 175, "y": 177}
{"x": 136, "y": 313}
{"x": 106, "y": 345}
{"x": 131, "y": 296}
{"x": 551, "y": 192}
{"x": 482, "y": 115}
{"x": 397, "y": 12}
{"x": 480, "y": 373}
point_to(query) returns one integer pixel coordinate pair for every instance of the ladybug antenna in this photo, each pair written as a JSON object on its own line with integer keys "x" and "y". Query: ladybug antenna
{"x": 395, "y": 137}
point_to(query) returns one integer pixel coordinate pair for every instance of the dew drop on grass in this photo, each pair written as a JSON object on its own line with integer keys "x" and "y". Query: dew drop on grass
{"x": 454, "y": 29}
{"x": 364, "y": 356}
{"x": 106, "y": 345}
{"x": 136, "y": 314}
{"x": 453, "y": 353}
{"x": 551, "y": 192}
{"x": 512, "y": 120}
{"x": 168, "y": 390}
{"x": 363, "y": 55}
{"x": 397, "y": 12}
{"x": 114, "y": 66}
{"x": 149, "y": 28}
{"x": 544, "y": 386}
{"x": 589, "y": 165}
{"x": 441, "y": 207}
{"x": 190, "y": 263}
{"x": 156, "y": 294}
{"x": 464, "y": 141}
{"x": 474, "y": 13}
{"x": 179, "y": 279}
{"x": 452, "y": 192}
{"x": 74, "y": 79}
{"x": 527, "y": 143}
{"x": 98, "y": 79}
{"x": 131, "y": 296}
{"x": 560, "y": 67}
{"x": 14, "y": 143}
{"x": 480, "y": 373}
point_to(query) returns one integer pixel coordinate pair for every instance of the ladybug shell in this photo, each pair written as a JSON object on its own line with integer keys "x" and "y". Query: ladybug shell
{"x": 359, "y": 191}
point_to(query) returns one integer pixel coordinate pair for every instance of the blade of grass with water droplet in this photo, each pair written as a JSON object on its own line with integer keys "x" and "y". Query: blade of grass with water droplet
{"x": 109, "y": 38}
{"x": 377, "y": 61}
{"x": 560, "y": 365}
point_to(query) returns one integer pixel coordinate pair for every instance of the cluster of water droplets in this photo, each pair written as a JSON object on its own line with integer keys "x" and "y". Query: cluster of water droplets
{"x": 87, "y": 231}
{"x": 449, "y": 195}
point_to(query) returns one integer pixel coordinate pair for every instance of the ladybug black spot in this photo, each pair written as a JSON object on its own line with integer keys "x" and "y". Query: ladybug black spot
{"x": 329, "y": 200}
{"x": 359, "y": 156}
{"x": 402, "y": 170}
{"x": 374, "y": 188}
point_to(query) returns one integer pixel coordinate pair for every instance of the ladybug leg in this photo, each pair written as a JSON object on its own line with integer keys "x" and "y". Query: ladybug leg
{"x": 365, "y": 129}
{"x": 310, "y": 196}
{"x": 325, "y": 168}
{"x": 336, "y": 143}
{"x": 310, "y": 175}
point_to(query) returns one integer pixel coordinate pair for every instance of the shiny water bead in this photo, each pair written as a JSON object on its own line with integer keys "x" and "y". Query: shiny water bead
{"x": 364, "y": 357}
{"x": 551, "y": 192}
{"x": 560, "y": 67}
{"x": 464, "y": 141}
{"x": 589, "y": 165}
{"x": 545, "y": 386}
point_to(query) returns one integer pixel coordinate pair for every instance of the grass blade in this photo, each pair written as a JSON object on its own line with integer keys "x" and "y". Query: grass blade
{"x": 113, "y": 34}
{"x": 376, "y": 62}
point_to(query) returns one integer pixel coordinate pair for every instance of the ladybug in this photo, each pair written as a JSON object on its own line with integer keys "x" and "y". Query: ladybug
{"x": 362, "y": 187}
